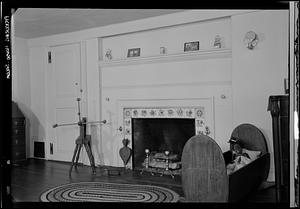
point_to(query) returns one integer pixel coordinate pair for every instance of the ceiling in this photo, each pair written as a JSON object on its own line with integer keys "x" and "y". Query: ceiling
{"x": 37, "y": 22}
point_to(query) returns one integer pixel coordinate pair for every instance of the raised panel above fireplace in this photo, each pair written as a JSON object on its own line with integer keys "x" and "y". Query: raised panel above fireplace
{"x": 169, "y": 81}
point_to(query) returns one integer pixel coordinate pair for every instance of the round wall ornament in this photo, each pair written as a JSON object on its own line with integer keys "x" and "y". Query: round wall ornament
{"x": 250, "y": 39}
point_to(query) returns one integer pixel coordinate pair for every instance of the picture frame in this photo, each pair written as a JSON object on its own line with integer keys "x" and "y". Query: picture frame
{"x": 135, "y": 52}
{"x": 191, "y": 46}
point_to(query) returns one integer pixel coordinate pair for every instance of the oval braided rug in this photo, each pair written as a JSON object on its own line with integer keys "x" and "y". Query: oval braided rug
{"x": 108, "y": 192}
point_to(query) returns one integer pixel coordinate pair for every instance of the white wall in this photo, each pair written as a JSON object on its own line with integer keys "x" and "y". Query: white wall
{"x": 38, "y": 55}
{"x": 38, "y": 63}
{"x": 259, "y": 73}
{"x": 21, "y": 92}
{"x": 255, "y": 74}
{"x": 28, "y": 89}
{"x": 233, "y": 77}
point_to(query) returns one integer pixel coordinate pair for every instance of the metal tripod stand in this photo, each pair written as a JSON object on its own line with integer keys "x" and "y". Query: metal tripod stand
{"x": 82, "y": 140}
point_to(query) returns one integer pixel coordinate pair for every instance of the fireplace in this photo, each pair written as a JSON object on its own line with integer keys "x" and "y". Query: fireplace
{"x": 159, "y": 135}
{"x": 163, "y": 128}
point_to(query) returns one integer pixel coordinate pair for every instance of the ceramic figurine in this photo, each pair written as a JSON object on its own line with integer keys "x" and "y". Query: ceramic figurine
{"x": 108, "y": 54}
{"x": 217, "y": 43}
{"x": 163, "y": 50}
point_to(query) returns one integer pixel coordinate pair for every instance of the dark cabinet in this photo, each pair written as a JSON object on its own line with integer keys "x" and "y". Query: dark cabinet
{"x": 18, "y": 139}
{"x": 279, "y": 108}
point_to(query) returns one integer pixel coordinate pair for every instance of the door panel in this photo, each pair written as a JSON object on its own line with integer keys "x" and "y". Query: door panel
{"x": 66, "y": 89}
{"x": 67, "y": 66}
{"x": 66, "y": 135}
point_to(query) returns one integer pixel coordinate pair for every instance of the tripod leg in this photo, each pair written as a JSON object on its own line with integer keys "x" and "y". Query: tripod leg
{"x": 73, "y": 158}
{"x": 78, "y": 153}
{"x": 90, "y": 155}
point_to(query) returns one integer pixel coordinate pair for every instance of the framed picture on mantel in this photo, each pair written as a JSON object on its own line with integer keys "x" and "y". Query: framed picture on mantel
{"x": 135, "y": 52}
{"x": 191, "y": 46}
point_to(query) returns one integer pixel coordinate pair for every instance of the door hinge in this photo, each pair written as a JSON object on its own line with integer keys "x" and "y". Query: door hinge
{"x": 51, "y": 148}
{"x": 49, "y": 57}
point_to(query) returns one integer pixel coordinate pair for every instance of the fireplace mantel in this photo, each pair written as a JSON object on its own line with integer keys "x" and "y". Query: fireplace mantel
{"x": 196, "y": 55}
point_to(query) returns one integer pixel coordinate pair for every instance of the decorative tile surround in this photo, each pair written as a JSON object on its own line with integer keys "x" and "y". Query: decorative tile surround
{"x": 197, "y": 113}
{"x": 201, "y": 110}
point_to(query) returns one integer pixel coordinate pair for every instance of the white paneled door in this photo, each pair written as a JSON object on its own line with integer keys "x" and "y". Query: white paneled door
{"x": 66, "y": 88}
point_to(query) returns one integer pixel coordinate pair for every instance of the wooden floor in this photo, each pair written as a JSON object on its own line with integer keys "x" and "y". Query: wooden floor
{"x": 29, "y": 180}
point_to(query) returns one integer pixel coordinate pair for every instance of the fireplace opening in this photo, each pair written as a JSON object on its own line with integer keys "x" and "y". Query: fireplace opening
{"x": 159, "y": 135}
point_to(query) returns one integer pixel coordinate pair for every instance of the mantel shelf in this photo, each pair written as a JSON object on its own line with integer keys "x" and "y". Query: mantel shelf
{"x": 202, "y": 54}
